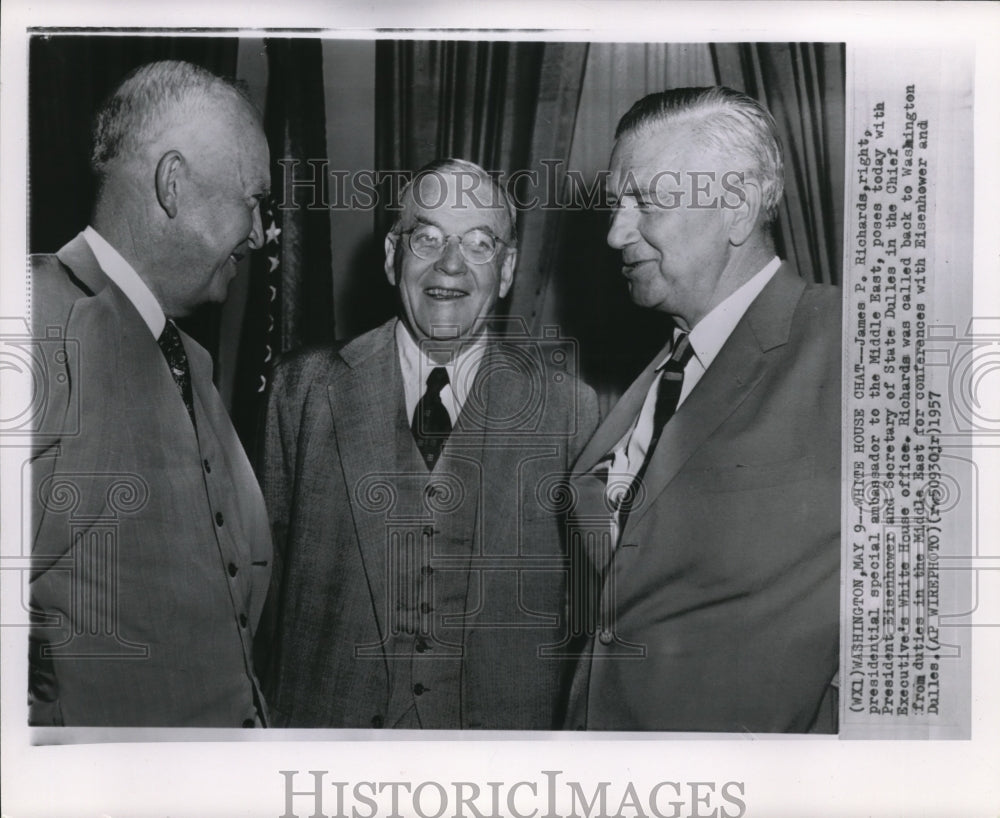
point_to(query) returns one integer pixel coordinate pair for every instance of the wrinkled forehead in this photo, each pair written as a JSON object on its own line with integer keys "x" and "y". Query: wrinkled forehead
{"x": 455, "y": 201}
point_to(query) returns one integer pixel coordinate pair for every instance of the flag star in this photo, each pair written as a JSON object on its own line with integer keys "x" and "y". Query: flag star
{"x": 273, "y": 231}
{"x": 274, "y": 263}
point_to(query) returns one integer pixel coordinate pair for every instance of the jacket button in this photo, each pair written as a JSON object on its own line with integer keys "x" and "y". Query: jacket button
{"x": 248, "y": 722}
{"x": 208, "y": 467}
{"x": 218, "y": 518}
{"x": 376, "y": 721}
{"x": 243, "y": 620}
{"x": 418, "y": 689}
{"x": 605, "y": 637}
{"x": 233, "y": 570}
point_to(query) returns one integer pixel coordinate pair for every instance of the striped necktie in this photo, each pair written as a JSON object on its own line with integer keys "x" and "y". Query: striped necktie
{"x": 668, "y": 393}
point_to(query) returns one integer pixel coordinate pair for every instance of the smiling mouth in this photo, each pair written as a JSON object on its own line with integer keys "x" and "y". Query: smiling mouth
{"x": 629, "y": 266}
{"x": 444, "y": 293}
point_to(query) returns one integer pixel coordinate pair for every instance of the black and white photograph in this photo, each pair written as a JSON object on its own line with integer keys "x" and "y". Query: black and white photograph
{"x": 405, "y": 419}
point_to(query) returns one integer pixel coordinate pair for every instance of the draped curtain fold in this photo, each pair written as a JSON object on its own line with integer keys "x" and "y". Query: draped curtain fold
{"x": 469, "y": 100}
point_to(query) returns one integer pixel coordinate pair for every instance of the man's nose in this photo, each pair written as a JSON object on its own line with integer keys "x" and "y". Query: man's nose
{"x": 452, "y": 261}
{"x": 623, "y": 227}
{"x": 256, "y": 238}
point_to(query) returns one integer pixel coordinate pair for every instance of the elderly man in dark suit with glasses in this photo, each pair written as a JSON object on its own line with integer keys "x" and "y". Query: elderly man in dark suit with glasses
{"x": 413, "y": 478}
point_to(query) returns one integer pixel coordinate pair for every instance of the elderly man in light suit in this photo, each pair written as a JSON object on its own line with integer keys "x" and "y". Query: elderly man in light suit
{"x": 151, "y": 548}
{"x": 715, "y": 481}
{"x": 413, "y": 477}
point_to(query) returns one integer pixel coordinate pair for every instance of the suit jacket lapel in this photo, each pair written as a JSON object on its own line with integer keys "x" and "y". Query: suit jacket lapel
{"x": 127, "y": 349}
{"x": 591, "y": 510}
{"x": 365, "y": 401}
{"x": 620, "y": 419}
{"x": 732, "y": 376}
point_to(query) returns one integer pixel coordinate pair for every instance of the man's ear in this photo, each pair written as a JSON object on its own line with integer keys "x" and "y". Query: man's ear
{"x": 507, "y": 271}
{"x": 168, "y": 171}
{"x": 746, "y": 213}
{"x": 391, "y": 242}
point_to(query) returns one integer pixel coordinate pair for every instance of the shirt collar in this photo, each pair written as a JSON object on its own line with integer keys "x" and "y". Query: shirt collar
{"x": 710, "y": 334}
{"x": 462, "y": 368}
{"x": 128, "y": 281}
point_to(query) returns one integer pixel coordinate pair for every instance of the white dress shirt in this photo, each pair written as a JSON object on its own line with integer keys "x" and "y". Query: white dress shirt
{"x": 416, "y": 366}
{"x": 707, "y": 338}
{"x": 128, "y": 281}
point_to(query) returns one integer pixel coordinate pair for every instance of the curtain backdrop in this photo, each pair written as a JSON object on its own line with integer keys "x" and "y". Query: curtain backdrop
{"x": 469, "y": 100}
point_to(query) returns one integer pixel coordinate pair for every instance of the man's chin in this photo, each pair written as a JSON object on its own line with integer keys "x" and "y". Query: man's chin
{"x": 219, "y": 291}
{"x": 445, "y": 329}
{"x": 444, "y": 336}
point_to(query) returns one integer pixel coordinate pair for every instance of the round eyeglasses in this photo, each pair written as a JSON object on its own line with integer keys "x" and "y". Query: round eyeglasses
{"x": 428, "y": 242}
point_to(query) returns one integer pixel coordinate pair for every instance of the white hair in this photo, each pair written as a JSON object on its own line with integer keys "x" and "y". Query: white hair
{"x": 152, "y": 98}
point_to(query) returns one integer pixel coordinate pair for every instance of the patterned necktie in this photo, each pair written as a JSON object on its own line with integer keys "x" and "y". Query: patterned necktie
{"x": 173, "y": 350}
{"x": 431, "y": 424}
{"x": 668, "y": 393}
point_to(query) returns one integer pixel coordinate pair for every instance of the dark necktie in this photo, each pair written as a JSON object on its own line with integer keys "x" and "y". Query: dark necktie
{"x": 431, "y": 423}
{"x": 173, "y": 351}
{"x": 668, "y": 393}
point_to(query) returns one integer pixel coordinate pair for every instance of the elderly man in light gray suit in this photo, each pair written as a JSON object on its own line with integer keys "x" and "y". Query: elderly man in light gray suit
{"x": 413, "y": 477}
{"x": 151, "y": 548}
{"x": 715, "y": 481}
